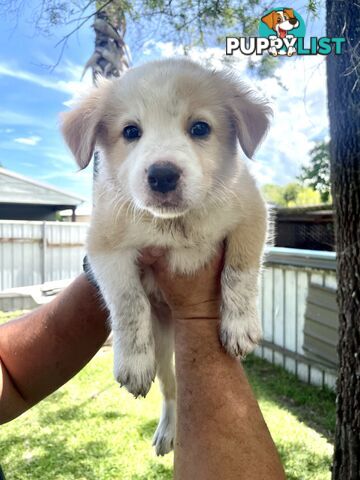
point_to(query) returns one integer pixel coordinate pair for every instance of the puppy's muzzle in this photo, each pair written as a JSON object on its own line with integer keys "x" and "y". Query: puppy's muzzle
{"x": 293, "y": 21}
{"x": 163, "y": 177}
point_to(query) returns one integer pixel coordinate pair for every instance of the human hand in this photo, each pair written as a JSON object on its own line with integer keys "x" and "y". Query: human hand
{"x": 188, "y": 296}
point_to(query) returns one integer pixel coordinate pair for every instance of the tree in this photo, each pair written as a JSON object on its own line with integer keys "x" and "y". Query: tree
{"x": 291, "y": 191}
{"x": 317, "y": 174}
{"x": 343, "y": 77}
{"x": 291, "y": 195}
{"x": 185, "y": 22}
{"x": 274, "y": 194}
{"x": 110, "y": 58}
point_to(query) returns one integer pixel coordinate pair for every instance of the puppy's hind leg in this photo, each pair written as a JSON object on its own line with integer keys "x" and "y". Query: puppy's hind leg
{"x": 164, "y": 437}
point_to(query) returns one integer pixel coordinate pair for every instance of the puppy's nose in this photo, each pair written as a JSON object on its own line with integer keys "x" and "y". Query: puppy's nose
{"x": 163, "y": 177}
{"x": 293, "y": 21}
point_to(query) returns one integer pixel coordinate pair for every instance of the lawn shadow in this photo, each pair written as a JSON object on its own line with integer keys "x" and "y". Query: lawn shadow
{"x": 296, "y": 459}
{"x": 59, "y": 460}
{"x": 10, "y": 442}
{"x": 75, "y": 412}
{"x": 155, "y": 471}
{"x": 112, "y": 415}
{"x": 147, "y": 429}
{"x": 56, "y": 396}
{"x": 311, "y": 405}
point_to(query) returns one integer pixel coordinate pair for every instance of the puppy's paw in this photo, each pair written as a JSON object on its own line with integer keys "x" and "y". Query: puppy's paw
{"x": 239, "y": 333}
{"x": 240, "y": 329}
{"x": 136, "y": 373}
{"x": 164, "y": 437}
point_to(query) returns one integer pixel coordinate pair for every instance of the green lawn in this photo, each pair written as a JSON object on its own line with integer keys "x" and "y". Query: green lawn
{"x": 90, "y": 429}
{"x": 6, "y": 316}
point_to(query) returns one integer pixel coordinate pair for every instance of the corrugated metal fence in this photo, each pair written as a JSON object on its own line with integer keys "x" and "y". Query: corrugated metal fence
{"x": 285, "y": 284}
{"x": 36, "y": 252}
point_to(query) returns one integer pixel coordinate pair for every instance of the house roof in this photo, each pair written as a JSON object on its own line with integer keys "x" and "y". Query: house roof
{"x": 17, "y": 189}
{"x": 325, "y": 207}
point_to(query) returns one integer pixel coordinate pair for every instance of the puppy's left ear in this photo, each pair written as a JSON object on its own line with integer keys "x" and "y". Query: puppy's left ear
{"x": 79, "y": 128}
{"x": 252, "y": 117}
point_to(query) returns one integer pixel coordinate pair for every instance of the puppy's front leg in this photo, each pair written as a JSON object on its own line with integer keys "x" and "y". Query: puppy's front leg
{"x": 130, "y": 313}
{"x": 240, "y": 329}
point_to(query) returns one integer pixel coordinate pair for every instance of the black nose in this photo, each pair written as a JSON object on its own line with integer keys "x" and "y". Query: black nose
{"x": 163, "y": 177}
{"x": 293, "y": 21}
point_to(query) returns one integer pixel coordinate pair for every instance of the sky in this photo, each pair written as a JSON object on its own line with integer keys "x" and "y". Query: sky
{"x": 33, "y": 95}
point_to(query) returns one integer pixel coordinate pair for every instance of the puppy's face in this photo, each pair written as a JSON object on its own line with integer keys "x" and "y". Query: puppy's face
{"x": 168, "y": 134}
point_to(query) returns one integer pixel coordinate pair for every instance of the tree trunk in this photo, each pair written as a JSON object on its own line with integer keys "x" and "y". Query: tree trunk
{"x": 343, "y": 74}
{"x": 110, "y": 57}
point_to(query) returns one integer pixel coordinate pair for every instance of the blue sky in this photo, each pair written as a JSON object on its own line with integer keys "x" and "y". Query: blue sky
{"x": 33, "y": 96}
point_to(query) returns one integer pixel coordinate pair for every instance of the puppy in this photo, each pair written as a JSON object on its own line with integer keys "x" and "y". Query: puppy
{"x": 282, "y": 22}
{"x": 171, "y": 138}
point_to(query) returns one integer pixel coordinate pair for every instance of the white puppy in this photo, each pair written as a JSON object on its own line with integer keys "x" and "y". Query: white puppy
{"x": 171, "y": 174}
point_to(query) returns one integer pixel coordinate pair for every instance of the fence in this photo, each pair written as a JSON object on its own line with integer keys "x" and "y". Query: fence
{"x": 287, "y": 277}
{"x": 36, "y": 252}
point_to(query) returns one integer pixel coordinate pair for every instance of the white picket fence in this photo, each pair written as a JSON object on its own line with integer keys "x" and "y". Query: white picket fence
{"x": 32, "y": 253}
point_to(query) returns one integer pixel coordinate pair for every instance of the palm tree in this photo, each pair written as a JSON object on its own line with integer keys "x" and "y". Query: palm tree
{"x": 110, "y": 57}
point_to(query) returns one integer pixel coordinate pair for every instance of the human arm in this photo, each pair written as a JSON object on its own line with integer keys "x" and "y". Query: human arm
{"x": 42, "y": 350}
{"x": 221, "y": 433}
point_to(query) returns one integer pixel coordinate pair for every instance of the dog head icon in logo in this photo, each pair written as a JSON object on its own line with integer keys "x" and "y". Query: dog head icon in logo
{"x": 287, "y": 25}
{"x": 281, "y": 21}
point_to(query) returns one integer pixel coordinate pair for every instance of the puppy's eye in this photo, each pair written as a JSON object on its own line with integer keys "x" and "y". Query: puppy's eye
{"x": 199, "y": 129}
{"x": 131, "y": 132}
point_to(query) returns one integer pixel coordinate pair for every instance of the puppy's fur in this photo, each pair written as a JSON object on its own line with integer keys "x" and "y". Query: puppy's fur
{"x": 215, "y": 197}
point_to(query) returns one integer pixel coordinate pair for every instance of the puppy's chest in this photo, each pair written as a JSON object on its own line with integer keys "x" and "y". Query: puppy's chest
{"x": 174, "y": 232}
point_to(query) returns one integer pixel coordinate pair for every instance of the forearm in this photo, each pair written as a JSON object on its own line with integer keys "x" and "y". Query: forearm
{"x": 42, "y": 350}
{"x": 220, "y": 431}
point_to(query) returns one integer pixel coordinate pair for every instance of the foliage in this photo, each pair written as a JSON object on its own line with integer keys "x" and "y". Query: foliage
{"x": 313, "y": 186}
{"x": 184, "y": 22}
{"x": 291, "y": 195}
{"x": 91, "y": 429}
{"x": 317, "y": 174}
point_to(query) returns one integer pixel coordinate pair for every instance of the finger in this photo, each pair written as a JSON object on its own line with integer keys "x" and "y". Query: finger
{"x": 162, "y": 272}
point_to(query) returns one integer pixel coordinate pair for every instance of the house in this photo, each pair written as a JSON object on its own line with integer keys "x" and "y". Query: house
{"x": 83, "y": 214}
{"x": 22, "y": 198}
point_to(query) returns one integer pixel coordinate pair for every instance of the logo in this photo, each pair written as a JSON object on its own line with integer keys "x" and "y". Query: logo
{"x": 282, "y": 33}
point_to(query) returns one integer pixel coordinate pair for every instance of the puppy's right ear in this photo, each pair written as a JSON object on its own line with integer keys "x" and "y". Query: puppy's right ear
{"x": 79, "y": 128}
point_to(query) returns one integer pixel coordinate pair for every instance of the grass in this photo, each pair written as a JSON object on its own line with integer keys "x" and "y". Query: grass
{"x": 90, "y": 429}
{"x": 6, "y": 316}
